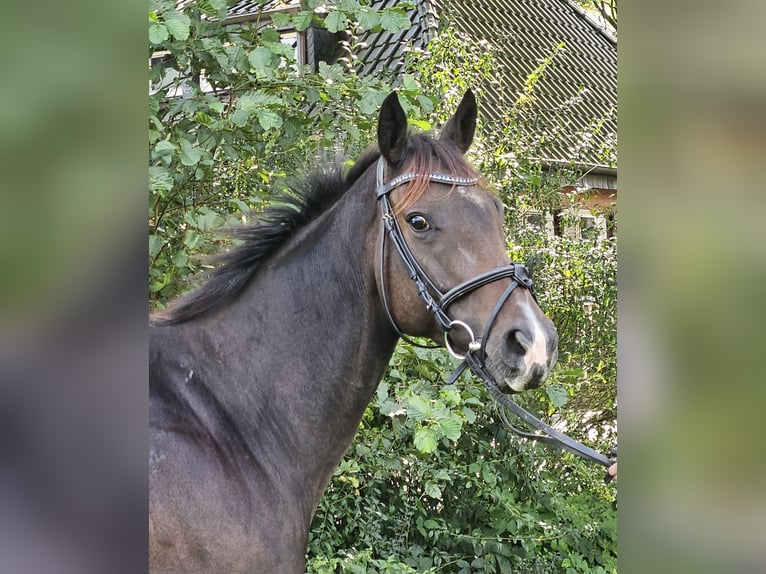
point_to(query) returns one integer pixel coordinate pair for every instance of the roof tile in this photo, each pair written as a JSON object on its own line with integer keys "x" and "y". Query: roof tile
{"x": 526, "y": 32}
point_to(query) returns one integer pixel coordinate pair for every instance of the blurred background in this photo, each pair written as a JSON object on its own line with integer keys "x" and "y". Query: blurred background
{"x": 73, "y": 311}
{"x": 692, "y": 265}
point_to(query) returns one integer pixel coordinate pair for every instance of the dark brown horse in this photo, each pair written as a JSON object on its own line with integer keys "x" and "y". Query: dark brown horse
{"x": 259, "y": 378}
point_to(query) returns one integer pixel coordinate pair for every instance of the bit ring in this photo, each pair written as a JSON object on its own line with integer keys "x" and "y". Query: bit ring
{"x": 474, "y": 345}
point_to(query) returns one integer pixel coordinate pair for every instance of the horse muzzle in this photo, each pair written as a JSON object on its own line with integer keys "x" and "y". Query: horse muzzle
{"x": 524, "y": 355}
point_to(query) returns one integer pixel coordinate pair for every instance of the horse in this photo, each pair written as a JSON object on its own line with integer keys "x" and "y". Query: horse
{"x": 260, "y": 377}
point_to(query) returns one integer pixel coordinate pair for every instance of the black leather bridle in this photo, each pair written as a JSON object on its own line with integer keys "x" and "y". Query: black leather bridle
{"x": 435, "y": 300}
{"x": 437, "y": 303}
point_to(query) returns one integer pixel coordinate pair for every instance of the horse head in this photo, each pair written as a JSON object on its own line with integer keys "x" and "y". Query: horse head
{"x": 452, "y": 280}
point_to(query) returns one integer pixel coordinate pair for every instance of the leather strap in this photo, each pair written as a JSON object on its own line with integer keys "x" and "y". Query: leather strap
{"x": 551, "y": 436}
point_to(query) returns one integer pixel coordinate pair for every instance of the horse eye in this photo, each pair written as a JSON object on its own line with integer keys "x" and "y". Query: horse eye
{"x": 418, "y": 223}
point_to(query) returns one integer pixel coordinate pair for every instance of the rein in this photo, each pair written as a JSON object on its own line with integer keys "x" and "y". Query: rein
{"x": 437, "y": 302}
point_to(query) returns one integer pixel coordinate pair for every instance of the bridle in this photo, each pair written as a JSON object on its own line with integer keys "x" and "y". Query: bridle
{"x": 437, "y": 302}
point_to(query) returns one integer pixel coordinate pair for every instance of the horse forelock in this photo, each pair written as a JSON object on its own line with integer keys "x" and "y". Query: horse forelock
{"x": 425, "y": 156}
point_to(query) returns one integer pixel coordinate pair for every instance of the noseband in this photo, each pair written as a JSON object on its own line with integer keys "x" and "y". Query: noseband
{"x": 437, "y": 303}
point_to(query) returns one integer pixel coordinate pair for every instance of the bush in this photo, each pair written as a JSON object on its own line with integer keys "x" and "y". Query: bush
{"x": 434, "y": 482}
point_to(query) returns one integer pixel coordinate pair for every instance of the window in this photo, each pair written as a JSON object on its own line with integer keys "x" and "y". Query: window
{"x": 579, "y": 224}
{"x": 295, "y": 39}
{"x": 588, "y": 229}
{"x": 557, "y": 223}
{"x": 541, "y": 222}
{"x": 536, "y": 219}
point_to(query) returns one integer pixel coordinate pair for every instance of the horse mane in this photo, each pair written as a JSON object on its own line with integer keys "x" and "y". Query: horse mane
{"x": 291, "y": 210}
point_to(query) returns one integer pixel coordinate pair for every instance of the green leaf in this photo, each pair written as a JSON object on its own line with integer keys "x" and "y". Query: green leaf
{"x": 370, "y": 102}
{"x": 177, "y": 24}
{"x": 202, "y": 118}
{"x": 192, "y": 239}
{"x": 426, "y": 103}
{"x": 390, "y": 408}
{"x": 409, "y": 83}
{"x": 216, "y": 105}
{"x": 164, "y": 147}
{"x": 425, "y": 440}
{"x": 281, "y": 20}
{"x": 156, "y": 286}
{"x": 155, "y": 245}
{"x": 382, "y": 391}
{"x": 256, "y": 99}
{"x": 303, "y": 19}
{"x": 488, "y": 474}
{"x": 268, "y": 118}
{"x": 335, "y": 21}
{"x": 442, "y": 474}
{"x": 469, "y": 415}
{"x": 451, "y": 427}
{"x": 239, "y": 204}
{"x": 270, "y": 35}
{"x": 368, "y": 18}
{"x": 394, "y": 20}
{"x": 451, "y": 395}
{"x": 282, "y": 49}
{"x": 158, "y": 33}
{"x": 217, "y": 4}
{"x": 180, "y": 259}
{"x": 160, "y": 179}
{"x": 260, "y": 57}
{"x": 205, "y": 220}
{"x": 557, "y": 395}
{"x": 420, "y": 124}
{"x": 418, "y": 408}
{"x": 432, "y": 489}
{"x": 240, "y": 118}
{"x": 327, "y": 72}
{"x": 189, "y": 154}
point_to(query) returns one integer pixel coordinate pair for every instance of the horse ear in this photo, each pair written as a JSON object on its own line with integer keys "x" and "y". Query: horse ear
{"x": 392, "y": 129}
{"x": 461, "y": 127}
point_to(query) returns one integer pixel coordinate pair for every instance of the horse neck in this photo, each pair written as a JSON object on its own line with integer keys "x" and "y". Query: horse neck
{"x": 305, "y": 345}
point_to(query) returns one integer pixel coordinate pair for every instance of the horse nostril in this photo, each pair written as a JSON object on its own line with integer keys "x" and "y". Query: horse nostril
{"x": 516, "y": 345}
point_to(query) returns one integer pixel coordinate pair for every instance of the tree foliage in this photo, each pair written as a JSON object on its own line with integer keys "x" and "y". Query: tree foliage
{"x": 433, "y": 482}
{"x": 607, "y": 9}
{"x": 232, "y": 113}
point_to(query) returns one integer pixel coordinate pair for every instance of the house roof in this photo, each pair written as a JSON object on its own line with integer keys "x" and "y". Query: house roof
{"x": 578, "y": 90}
{"x": 249, "y": 9}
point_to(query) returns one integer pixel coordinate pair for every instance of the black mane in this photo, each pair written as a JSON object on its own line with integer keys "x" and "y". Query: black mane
{"x": 290, "y": 211}
{"x": 293, "y": 209}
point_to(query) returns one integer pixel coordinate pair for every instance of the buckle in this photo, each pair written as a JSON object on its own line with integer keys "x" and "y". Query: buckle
{"x": 521, "y": 275}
